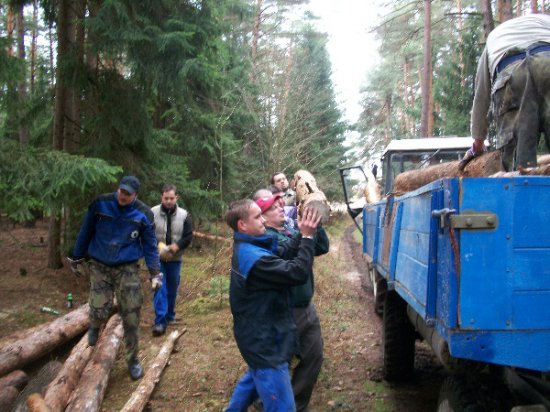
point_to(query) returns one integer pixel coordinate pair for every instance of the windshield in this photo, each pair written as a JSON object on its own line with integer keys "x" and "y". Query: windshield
{"x": 402, "y": 162}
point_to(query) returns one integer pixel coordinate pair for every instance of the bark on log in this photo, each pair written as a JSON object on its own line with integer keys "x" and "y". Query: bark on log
{"x": 88, "y": 395}
{"x": 308, "y": 194}
{"x": 17, "y": 378}
{"x": 42, "y": 340}
{"x": 143, "y": 392}
{"x": 59, "y": 390}
{"x": 488, "y": 164}
{"x": 37, "y": 384}
{"x": 8, "y": 395}
{"x": 36, "y": 403}
{"x": 543, "y": 170}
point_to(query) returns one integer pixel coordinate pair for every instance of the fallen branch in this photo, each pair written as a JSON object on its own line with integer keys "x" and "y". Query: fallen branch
{"x": 141, "y": 395}
{"x": 88, "y": 395}
{"x": 42, "y": 339}
{"x": 59, "y": 390}
{"x": 210, "y": 237}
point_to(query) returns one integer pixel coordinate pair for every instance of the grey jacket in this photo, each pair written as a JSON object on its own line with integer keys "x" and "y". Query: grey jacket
{"x": 181, "y": 228}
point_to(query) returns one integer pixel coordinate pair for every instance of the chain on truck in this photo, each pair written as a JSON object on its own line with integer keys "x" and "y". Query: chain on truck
{"x": 461, "y": 263}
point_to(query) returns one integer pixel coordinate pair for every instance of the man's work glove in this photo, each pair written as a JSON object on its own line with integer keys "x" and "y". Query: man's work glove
{"x": 477, "y": 149}
{"x": 76, "y": 265}
{"x": 156, "y": 282}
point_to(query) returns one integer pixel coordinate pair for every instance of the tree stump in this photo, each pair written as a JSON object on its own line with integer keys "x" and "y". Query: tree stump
{"x": 88, "y": 395}
{"x": 41, "y": 340}
{"x": 143, "y": 392}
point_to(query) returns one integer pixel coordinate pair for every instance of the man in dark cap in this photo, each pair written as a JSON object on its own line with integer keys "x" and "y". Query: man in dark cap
{"x": 117, "y": 231}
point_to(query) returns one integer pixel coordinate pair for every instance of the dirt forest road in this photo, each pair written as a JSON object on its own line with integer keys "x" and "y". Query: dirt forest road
{"x": 206, "y": 364}
{"x": 421, "y": 392}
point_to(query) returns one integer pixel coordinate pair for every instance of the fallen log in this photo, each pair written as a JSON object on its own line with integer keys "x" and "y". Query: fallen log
{"x": 17, "y": 378}
{"x": 42, "y": 339}
{"x": 88, "y": 395}
{"x": 58, "y": 392}
{"x": 36, "y": 403}
{"x": 210, "y": 237}
{"x": 308, "y": 194}
{"x": 143, "y": 392}
{"x": 8, "y": 395}
{"x": 543, "y": 170}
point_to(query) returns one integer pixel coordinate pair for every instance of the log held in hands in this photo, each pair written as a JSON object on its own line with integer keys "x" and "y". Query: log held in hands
{"x": 308, "y": 194}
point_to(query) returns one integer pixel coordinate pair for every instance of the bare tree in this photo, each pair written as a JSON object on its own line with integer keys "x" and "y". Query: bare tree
{"x": 22, "y": 86}
{"x": 487, "y": 12}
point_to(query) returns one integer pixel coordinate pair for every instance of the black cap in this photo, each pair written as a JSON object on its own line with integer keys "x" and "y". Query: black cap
{"x": 130, "y": 184}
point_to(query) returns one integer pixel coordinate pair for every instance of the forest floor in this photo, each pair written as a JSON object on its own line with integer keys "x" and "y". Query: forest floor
{"x": 206, "y": 364}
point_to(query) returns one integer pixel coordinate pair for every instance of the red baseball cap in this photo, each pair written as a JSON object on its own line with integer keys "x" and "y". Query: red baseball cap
{"x": 266, "y": 202}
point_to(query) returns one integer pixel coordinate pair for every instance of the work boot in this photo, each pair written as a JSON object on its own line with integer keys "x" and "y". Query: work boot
{"x": 136, "y": 371}
{"x": 93, "y": 334}
{"x": 158, "y": 329}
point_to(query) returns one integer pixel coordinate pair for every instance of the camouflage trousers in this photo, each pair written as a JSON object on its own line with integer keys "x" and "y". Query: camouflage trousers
{"x": 521, "y": 109}
{"x": 123, "y": 282}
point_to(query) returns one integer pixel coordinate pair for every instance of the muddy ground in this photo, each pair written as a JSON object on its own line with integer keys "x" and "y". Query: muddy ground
{"x": 206, "y": 364}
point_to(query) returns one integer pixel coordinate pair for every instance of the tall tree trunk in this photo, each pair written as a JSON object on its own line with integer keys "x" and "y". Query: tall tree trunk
{"x": 487, "y": 12}
{"x": 534, "y": 6}
{"x": 460, "y": 47}
{"x": 54, "y": 232}
{"x": 10, "y": 27}
{"x": 22, "y": 86}
{"x": 519, "y": 7}
{"x": 426, "y": 72}
{"x": 33, "y": 43}
{"x": 256, "y": 38}
{"x": 504, "y": 10}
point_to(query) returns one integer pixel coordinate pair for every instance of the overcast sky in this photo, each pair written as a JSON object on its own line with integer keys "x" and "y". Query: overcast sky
{"x": 351, "y": 47}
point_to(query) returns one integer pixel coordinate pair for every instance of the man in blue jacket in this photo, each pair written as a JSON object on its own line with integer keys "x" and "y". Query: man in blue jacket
{"x": 117, "y": 231}
{"x": 262, "y": 273}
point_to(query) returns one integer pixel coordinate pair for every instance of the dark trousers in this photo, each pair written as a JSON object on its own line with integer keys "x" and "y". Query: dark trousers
{"x": 310, "y": 358}
{"x": 521, "y": 110}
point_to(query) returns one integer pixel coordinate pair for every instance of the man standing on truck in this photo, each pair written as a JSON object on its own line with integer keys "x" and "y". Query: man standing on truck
{"x": 261, "y": 275}
{"x": 513, "y": 89}
{"x": 310, "y": 340}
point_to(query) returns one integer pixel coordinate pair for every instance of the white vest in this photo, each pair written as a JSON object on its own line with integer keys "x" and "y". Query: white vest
{"x": 161, "y": 219}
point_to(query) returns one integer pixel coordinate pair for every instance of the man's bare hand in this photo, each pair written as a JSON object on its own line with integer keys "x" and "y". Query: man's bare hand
{"x": 477, "y": 149}
{"x": 308, "y": 222}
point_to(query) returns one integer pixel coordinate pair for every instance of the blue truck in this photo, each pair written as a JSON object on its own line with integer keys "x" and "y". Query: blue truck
{"x": 463, "y": 263}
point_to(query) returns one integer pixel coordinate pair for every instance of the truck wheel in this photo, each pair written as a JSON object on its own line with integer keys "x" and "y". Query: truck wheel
{"x": 398, "y": 339}
{"x": 456, "y": 395}
{"x": 380, "y": 290}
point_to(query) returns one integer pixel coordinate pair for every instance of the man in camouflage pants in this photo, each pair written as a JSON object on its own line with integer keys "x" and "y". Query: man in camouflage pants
{"x": 117, "y": 231}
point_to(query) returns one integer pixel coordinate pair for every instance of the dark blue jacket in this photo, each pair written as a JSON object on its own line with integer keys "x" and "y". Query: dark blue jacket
{"x": 261, "y": 275}
{"x": 114, "y": 235}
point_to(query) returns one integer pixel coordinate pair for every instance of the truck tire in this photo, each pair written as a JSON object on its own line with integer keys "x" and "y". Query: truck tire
{"x": 380, "y": 290}
{"x": 456, "y": 395}
{"x": 398, "y": 339}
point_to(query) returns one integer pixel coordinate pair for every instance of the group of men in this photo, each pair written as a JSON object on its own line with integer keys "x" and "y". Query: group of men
{"x": 118, "y": 230}
{"x": 271, "y": 287}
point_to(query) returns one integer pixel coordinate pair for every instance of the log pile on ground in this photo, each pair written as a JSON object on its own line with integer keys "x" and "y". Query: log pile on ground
{"x": 487, "y": 165}
{"x": 59, "y": 390}
{"x": 42, "y": 339}
{"x": 308, "y": 194}
{"x": 88, "y": 395}
{"x": 37, "y": 384}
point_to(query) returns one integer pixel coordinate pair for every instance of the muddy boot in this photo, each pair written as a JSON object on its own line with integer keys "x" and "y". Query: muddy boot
{"x": 93, "y": 334}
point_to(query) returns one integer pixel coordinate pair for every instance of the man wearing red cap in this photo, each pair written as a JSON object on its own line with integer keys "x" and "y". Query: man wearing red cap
{"x": 310, "y": 340}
